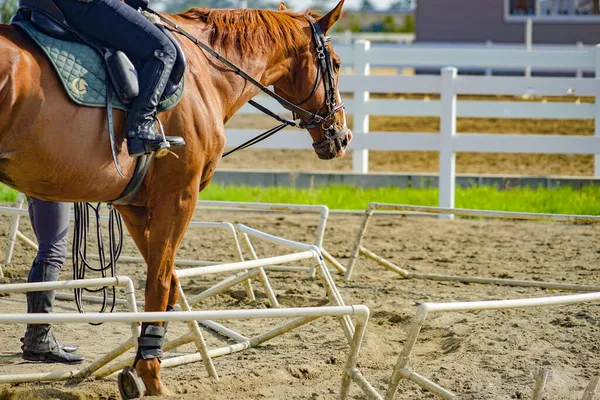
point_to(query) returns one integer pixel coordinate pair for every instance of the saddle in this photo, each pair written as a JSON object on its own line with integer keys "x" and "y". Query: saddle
{"x": 41, "y": 18}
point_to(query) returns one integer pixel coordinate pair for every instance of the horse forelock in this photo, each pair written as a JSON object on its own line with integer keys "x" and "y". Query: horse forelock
{"x": 251, "y": 30}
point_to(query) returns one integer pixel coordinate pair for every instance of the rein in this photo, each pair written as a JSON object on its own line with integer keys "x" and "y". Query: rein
{"x": 325, "y": 73}
{"x": 108, "y": 262}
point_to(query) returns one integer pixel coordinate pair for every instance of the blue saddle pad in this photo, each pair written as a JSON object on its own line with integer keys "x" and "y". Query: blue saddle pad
{"x": 82, "y": 71}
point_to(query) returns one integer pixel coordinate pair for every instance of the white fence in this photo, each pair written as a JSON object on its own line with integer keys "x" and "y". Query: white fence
{"x": 350, "y": 37}
{"x": 448, "y": 85}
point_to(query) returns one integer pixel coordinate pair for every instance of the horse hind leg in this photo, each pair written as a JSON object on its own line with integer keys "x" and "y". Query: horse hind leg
{"x": 10, "y": 70}
{"x": 20, "y": 103}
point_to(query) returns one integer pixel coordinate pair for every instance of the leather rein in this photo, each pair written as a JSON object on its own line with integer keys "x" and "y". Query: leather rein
{"x": 302, "y": 118}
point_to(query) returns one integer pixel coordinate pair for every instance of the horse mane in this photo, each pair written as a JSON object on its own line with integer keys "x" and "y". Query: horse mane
{"x": 250, "y": 30}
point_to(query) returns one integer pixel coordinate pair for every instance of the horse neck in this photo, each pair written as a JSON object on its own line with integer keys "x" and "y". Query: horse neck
{"x": 266, "y": 66}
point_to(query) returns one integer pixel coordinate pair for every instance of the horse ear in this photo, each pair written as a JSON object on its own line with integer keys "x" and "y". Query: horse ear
{"x": 332, "y": 17}
{"x": 282, "y": 7}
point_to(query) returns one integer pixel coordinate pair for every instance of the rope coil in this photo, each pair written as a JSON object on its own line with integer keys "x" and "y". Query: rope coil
{"x": 81, "y": 265}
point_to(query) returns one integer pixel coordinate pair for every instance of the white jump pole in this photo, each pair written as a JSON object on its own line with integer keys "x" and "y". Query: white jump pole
{"x": 262, "y": 274}
{"x": 14, "y": 230}
{"x": 15, "y": 233}
{"x": 541, "y": 378}
{"x": 332, "y": 292}
{"x": 190, "y": 358}
{"x": 465, "y": 212}
{"x": 402, "y": 209}
{"x": 361, "y": 235}
{"x": 351, "y": 372}
{"x": 198, "y": 337}
{"x": 401, "y": 369}
{"x": 305, "y": 314}
{"x": 209, "y": 324}
{"x": 215, "y": 205}
{"x": 119, "y": 281}
{"x": 282, "y": 207}
{"x": 131, "y": 317}
{"x": 241, "y": 268}
{"x": 245, "y": 270}
{"x": 590, "y": 390}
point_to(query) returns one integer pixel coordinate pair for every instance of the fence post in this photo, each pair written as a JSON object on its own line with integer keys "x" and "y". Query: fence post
{"x": 488, "y": 45}
{"x": 597, "y": 114}
{"x": 528, "y": 42}
{"x": 447, "y": 132}
{"x": 362, "y": 67}
{"x": 579, "y": 73}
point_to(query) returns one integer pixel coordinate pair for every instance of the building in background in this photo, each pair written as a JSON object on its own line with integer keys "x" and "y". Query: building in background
{"x": 503, "y": 21}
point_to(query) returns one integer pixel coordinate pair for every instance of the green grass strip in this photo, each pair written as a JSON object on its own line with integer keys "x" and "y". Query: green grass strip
{"x": 564, "y": 200}
{"x": 7, "y": 195}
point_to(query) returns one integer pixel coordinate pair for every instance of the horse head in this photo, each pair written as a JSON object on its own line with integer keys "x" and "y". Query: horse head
{"x": 311, "y": 83}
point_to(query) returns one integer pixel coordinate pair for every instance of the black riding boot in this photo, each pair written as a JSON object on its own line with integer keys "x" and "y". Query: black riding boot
{"x": 39, "y": 344}
{"x": 142, "y": 135}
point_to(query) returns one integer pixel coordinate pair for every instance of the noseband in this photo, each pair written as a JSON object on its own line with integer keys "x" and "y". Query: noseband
{"x": 325, "y": 70}
{"x": 302, "y": 118}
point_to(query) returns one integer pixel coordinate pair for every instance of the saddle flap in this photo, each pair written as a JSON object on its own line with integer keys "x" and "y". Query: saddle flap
{"x": 123, "y": 75}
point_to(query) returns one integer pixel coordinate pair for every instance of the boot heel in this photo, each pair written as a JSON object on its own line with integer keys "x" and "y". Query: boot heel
{"x": 137, "y": 147}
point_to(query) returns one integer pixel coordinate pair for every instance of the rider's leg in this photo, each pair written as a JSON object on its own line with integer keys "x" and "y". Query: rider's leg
{"x": 50, "y": 223}
{"x": 141, "y": 121}
{"x": 117, "y": 25}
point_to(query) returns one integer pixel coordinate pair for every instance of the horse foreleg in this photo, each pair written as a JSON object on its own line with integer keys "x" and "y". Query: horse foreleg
{"x": 137, "y": 222}
{"x": 157, "y": 232}
{"x": 170, "y": 215}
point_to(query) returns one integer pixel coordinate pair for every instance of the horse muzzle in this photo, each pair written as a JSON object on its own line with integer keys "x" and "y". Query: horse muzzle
{"x": 333, "y": 146}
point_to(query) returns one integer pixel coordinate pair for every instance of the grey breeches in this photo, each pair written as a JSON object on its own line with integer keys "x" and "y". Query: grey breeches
{"x": 50, "y": 223}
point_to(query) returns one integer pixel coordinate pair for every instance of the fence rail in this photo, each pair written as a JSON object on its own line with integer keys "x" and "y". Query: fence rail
{"x": 448, "y": 85}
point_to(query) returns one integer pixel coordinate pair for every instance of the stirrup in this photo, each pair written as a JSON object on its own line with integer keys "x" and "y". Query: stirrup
{"x": 137, "y": 147}
{"x": 167, "y": 142}
{"x": 161, "y": 146}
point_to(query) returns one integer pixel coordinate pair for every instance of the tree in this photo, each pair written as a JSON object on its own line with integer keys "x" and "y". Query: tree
{"x": 402, "y": 5}
{"x": 388, "y": 24}
{"x": 366, "y": 5}
{"x": 355, "y": 25}
{"x": 7, "y": 10}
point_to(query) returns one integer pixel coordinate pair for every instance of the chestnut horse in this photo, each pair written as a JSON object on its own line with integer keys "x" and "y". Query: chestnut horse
{"x": 52, "y": 149}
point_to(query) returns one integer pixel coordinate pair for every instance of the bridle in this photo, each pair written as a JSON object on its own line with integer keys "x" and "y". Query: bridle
{"x": 302, "y": 118}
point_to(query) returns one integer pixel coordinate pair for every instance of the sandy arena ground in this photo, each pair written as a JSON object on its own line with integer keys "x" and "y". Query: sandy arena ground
{"x": 481, "y": 355}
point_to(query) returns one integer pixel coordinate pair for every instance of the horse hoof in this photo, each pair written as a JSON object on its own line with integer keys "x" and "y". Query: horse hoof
{"x": 131, "y": 385}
